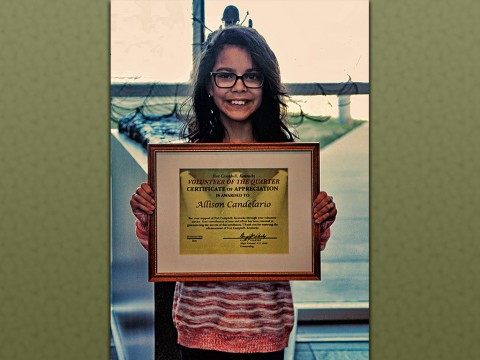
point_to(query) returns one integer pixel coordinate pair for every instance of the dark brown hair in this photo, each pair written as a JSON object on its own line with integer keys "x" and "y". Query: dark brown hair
{"x": 268, "y": 122}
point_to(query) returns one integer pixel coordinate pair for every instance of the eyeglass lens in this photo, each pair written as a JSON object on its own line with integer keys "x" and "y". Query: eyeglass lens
{"x": 226, "y": 79}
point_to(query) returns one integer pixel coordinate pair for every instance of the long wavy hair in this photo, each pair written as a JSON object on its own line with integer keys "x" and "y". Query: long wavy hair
{"x": 200, "y": 113}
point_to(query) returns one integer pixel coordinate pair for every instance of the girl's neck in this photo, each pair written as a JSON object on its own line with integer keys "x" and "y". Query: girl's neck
{"x": 238, "y": 132}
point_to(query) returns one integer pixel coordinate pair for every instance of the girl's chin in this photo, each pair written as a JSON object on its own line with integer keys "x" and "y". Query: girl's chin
{"x": 237, "y": 119}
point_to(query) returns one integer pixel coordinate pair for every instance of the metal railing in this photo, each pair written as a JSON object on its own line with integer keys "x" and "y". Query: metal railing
{"x": 184, "y": 89}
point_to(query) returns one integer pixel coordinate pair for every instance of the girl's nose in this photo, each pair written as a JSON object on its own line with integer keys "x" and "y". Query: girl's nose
{"x": 239, "y": 86}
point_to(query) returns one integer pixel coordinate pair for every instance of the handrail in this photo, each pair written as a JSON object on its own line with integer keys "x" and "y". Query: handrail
{"x": 184, "y": 89}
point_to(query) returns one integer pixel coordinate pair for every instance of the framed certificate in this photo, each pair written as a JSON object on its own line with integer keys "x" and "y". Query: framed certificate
{"x": 234, "y": 212}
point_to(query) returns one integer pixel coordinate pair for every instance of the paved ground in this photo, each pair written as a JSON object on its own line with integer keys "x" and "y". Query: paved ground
{"x": 344, "y": 167}
{"x": 345, "y": 270}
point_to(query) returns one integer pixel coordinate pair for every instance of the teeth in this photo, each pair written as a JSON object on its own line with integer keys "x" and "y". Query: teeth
{"x": 238, "y": 102}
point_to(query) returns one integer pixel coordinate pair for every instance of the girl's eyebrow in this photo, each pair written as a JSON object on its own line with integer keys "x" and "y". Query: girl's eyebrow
{"x": 227, "y": 69}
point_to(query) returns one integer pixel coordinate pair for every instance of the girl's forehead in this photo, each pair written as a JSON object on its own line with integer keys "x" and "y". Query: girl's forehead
{"x": 234, "y": 56}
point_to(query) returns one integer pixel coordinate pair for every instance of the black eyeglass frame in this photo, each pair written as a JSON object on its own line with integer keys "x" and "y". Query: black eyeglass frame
{"x": 213, "y": 74}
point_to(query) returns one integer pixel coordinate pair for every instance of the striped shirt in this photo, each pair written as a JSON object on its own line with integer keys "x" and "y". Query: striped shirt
{"x": 238, "y": 317}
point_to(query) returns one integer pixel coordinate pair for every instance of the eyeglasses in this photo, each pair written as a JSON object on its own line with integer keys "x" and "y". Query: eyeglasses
{"x": 252, "y": 80}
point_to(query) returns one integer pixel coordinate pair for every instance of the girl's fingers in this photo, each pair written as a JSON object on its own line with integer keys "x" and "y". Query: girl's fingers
{"x": 324, "y": 209}
{"x": 142, "y": 201}
{"x": 147, "y": 189}
{"x": 145, "y": 195}
{"x": 324, "y": 213}
{"x": 320, "y": 197}
{"x": 138, "y": 205}
{"x": 321, "y": 201}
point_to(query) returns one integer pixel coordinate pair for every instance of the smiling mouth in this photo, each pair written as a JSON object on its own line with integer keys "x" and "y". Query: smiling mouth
{"x": 238, "y": 102}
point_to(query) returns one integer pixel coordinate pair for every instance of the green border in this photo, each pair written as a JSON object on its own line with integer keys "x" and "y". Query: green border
{"x": 424, "y": 176}
{"x": 55, "y": 184}
{"x": 54, "y": 301}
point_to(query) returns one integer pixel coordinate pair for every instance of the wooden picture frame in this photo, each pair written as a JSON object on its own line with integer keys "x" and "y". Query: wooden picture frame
{"x": 234, "y": 212}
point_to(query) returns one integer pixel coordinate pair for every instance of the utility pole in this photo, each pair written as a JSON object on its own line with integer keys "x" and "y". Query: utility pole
{"x": 198, "y": 16}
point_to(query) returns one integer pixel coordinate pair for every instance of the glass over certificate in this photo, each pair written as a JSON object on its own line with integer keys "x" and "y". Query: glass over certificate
{"x": 234, "y": 212}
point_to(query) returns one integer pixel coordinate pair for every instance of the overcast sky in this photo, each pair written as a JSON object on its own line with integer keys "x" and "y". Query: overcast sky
{"x": 314, "y": 40}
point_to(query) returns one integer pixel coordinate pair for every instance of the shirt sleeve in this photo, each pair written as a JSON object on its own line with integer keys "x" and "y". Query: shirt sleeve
{"x": 141, "y": 228}
{"x": 325, "y": 233}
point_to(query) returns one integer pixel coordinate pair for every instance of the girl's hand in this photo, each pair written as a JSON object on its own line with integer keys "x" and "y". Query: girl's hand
{"x": 142, "y": 201}
{"x": 324, "y": 208}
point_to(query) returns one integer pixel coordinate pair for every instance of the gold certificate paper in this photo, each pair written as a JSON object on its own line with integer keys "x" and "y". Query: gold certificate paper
{"x": 233, "y": 211}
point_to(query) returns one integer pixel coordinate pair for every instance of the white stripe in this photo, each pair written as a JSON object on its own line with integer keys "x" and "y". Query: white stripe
{"x": 236, "y": 290}
{"x": 236, "y": 302}
{"x": 203, "y": 308}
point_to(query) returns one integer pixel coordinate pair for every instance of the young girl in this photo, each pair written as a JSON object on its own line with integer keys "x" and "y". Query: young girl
{"x": 237, "y": 97}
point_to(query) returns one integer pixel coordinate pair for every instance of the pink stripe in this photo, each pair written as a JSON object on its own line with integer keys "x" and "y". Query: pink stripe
{"x": 200, "y": 305}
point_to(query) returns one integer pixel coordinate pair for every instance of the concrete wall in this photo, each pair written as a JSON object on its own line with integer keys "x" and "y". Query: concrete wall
{"x": 132, "y": 296}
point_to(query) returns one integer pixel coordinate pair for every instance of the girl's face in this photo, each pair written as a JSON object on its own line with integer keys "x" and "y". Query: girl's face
{"x": 238, "y": 103}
